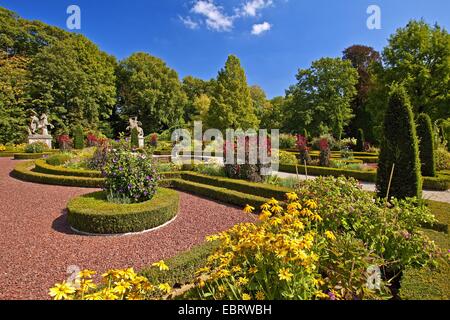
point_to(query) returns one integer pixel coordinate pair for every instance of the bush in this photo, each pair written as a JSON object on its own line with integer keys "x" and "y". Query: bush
{"x": 209, "y": 169}
{"x": 287, "y": 141}
{"x": 78, "y": 138}
{"x": 426, "y": 145}
{"x": 130, "y": 177}
{"x": 43, "y": 166}
{"x": 64, "y": 142}
{"x": 399, "y": 147}
{"x": 36, "y": 147}
{"x": 325, "y": 153}
{"x": 93, "y": 213}
{"x": 287, "y": 158}
{"x": 442, "y": 159}
{"x": 134, "y": 138}
{"x": 100, "y": 156}
{"x": 28, "y": 156}
{"x": 360, "y": 146}
{"x": 59, "y": 159}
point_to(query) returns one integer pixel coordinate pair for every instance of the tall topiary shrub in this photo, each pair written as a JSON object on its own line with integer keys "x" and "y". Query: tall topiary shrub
{"x": 78, "y": 137}
{"x": 426, "y": 145}
{"x": 360, "y": 140}
{"x": 399, "y": 147}
{"x": 135, "y": 138}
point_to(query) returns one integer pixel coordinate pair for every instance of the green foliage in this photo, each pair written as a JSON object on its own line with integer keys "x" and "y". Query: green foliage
{"x": 131, "y": 177}
{"x": 50, "y": 166}
{"x": 28, "y": 156}
{"x": 74, "y": 82}
{"x": 134, "y": 141}
{"x": 232, "y": 105}
{"x": 93, "y": 213}
{"x": 78, "y": 138}
{"x": 198, "y": 93}
{"x": 426, "y": 145}
{"x": 272, "y": 116}
{"x": 287, "y": 158}
{"x": 288, "y": 141}
{"x": 321, "y": 100}
{"x": 361, "y": 140}
{"x": 36, "y": 147}
{"x": 208, "y": 169}
{"x": 59, "y": 159}
{"x": 399, "y": 147}
{"x": 442, "y": 159}
{"x": 150, "y": 90}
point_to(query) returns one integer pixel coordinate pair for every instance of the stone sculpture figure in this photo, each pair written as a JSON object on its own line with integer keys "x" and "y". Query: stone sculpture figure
{"x": 38, "y": 130}
{"x": 134, "y": 123}
{"x": 43, "y": 124}
{"x": 34, "y": 124}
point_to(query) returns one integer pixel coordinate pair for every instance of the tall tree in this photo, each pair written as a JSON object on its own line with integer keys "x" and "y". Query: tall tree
{"x": 196, "y": 91}
{"x": 426, "y": 145}
{"x": 399, "y": 147}
{"x": 273, "y": 114}
{"x": 150, "y": 90}
{"x": 418, "y": 56}
{"x": 232, "y": 105}
{"x": 74, "y": 82}
{"x": 362, "y": 58}
{"x": 321, "y": 100}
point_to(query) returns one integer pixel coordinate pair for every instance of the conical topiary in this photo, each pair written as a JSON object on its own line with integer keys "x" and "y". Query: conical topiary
{"x": 78, "y": 138}
{"x": 399, "y": 147}
{"x": 361, "y": 141}
{"x": 426, "y": 145}
{"x": 135, "y": 138}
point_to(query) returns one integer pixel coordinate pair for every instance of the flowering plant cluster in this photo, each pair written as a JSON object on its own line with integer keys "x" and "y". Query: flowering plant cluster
{"x": 115, "y": 285}
{"x": 36, "y": 147}
{"x": 64, "y": 142}
{"x": 2, "y": 148}
{"x": 93, "y": 140}
{"x": 130, "y": 177}
{"x": 325, "y": 152}
{"x": 153, "y": 140}
{"x": 302, "y": 146}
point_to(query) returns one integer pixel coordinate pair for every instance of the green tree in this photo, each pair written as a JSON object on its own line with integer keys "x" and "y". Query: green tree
{"x": 417, "y": 56}
{"x": 78, "y": 137}
{"x": 362, "y": 58}
{"x": 232, "y": 105}
{"x": 201, "y": 106}
{"x": 273, "y": 114}
{"x": 14, "y": 81}
{"x": 361, "y": 140}
{"x": 74, "y": 82}
{"x": 196, "y": 90}
{"x": 321, "y": 100}
{"x": 399, "y": 147}
{"x": 150, "y": 90}
{"x": 426, "y": 145}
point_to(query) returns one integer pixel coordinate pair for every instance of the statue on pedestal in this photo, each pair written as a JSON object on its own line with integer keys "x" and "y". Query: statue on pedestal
{"x": 133, "y": 123}
{"x": 41, "y": 124}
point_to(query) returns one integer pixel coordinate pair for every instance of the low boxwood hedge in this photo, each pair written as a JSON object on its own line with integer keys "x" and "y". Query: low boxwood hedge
{"x": 92, "y": 213}
{"x": 6, "y": 154}
{"x": 257, "y": 189}
{"x": 24, "y": 171}
{"x": 220, "y": 194}
{"x": 29, "y": 156}
{"x": 43, "y": 167}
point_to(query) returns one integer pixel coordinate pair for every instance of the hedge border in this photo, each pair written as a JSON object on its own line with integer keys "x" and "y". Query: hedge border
{"x": 29, "y": 156}
{"x": 439, "y": 183}
{"x": 91, "y": 213}
{"x": 42, "y": 166}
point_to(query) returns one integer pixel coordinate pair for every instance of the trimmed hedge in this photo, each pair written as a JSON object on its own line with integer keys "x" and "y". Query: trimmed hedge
{"x": 43, "y": 167}
{"x": 92, "y": 213}
{"x": 29, "y": 156}
{"x": 220, "y": 194}
{"x": 256, "y": 189}
{"x": 6, "y": 154}
{"x": 23, "y": 171}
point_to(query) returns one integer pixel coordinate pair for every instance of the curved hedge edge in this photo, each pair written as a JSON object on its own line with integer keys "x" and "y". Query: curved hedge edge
{"x": 220, "y": 194}
{"x": 23, "y": 171}
{"x": 84, "y": 213}
{"x": 42, "y": 166}
{"x": 29, "y": 156}
{"x": 7, "y": 154}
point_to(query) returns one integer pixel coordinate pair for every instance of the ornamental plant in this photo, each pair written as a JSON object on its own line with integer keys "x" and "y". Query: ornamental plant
{"x": 153, "y": 140}
{"x": 92, "y": 140}
{"x": 134, "y": 140}
{"x": 426, "y": 145}
{"x": 130, "y": 177}
{"x": 64, "y": 142}
{"x": 36, "y": 147}
{"x": 302, "y": 146}
{"x": 116, "y": 284}
{"x": 360, "y": 146}
{"x": 78, "y": 137}
{"x": 325, "y": 152}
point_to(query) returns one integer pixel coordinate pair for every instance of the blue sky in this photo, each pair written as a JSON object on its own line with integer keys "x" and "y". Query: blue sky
{"x": 273, "y": 38}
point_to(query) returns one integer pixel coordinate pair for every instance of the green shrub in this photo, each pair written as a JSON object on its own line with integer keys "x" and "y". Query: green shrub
{"x": 78, "y": 138}
{"x": 426, "y": 145}
{"x": 134, "y": 138}
{"x": 208, "y": 169}
{"x": 36, "y": 147}
{"x": 442, "y": 159}
{"x": 59, "y": 159}
{"x": 361, "y": 141}
{"x": 93, "y": 213}
{"x": 28, "y": 156}
{"x": 285, "y": 157}
{"x": 287, "y": 141}
{"x": 42, "y": 166}
{"x": 399, "y": 147}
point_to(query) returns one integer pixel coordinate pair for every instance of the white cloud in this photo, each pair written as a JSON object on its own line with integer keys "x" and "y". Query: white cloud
{"x": 251, "y": 8}
{"x": 261, "y": 28}
{"x": 215, "y": 18}
{"x": 189, "y": 23}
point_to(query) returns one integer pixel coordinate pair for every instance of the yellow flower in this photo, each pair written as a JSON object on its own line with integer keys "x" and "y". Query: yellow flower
{"x": 242, "y": 281}
{"x": 121, "y": 287}
{"x": 165, "y": 287}
{"x": 108, "y": 295}
{"x": 249, "y": 209}
{"x": 265, "y": 206}
{"x": 246, "y": 296}
{"x": 212, "y": 238}
{"x": 161, "y": 265}
{"x": 61, "y": 291}
{"x": 260, "y": 295}
{"x": 253, "y": 270}
{"x": 330, "y": 235}
{"x": 273, "y": 202}
{"x": 87, "y": 274}
{"x": 285, "y": 274}
{"x": 292, "y": 196}
{"x": 221, "y": 288}
{"x": 236, "y": 269}
{"x": 265, "y": 215}
{"x": 311, "y": 204}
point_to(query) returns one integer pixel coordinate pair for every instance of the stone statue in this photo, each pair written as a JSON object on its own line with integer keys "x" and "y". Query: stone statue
{"x": 134, "y": 123}
{"x": 34, "y": 124}
{"x": 41, "y": 124}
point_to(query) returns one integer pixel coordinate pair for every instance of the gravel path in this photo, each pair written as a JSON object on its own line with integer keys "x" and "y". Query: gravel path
{"x": 37, "y": 247}
{"x": 441, "y": 196}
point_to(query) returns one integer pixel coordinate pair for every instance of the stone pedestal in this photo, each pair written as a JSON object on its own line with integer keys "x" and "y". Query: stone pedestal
{"x": 47, "y": 139}
{"x": 141, "y": 142}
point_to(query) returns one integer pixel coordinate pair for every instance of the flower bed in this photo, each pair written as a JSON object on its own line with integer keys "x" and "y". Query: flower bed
{"x": 29, "y": 156}
{"x": 92, "y": 213}
{"x": 43, "y": 167}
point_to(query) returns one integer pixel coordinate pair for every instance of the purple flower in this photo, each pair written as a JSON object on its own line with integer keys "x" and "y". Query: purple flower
{"x": 149, "y": 178}
{"x": 331, "y": 295}
{"x": 130, "y": 186}
{"x": 120, "y": 168}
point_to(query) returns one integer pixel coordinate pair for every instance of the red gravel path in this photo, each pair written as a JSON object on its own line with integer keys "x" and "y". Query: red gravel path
{"x": 37, "y": 246}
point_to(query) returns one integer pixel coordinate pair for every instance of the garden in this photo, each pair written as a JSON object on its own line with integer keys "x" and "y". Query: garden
{"x": 308, "y": 231}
